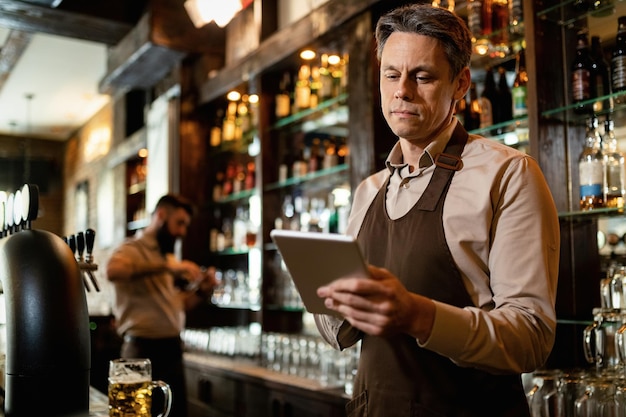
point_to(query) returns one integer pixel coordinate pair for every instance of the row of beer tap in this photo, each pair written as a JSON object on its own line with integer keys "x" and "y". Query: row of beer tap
{"x": 81, "y": 245}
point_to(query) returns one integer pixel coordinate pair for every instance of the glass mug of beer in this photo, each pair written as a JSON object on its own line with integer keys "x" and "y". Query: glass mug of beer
{"x": 130, "y": 389}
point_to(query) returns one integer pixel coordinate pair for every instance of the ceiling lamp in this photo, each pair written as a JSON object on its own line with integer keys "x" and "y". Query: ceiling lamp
{"x": 221, "y": 12}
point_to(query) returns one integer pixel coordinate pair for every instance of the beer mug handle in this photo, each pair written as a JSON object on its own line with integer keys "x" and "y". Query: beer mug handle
{"x": 587, "y": 342}
{"x": 167, "y": 397}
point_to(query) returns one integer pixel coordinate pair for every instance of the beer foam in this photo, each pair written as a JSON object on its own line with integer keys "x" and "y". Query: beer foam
{"x": 128, "y": 378}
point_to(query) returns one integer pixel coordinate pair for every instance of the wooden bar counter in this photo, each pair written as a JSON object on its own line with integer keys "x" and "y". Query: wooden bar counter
{"x": 223, "y": 386}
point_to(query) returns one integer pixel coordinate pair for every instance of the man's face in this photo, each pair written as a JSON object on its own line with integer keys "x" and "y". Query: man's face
{"x": 417, "y": 94}
{"x": 174, "y": 226}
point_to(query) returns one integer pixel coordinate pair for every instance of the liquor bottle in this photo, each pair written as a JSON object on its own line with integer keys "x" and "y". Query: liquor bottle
{"x": 314, "y": 84}
{"x": 581, "y": 75}
{"x": 486, "y": 111}
{"x": 516, "y": 17}
{"x": 229, "y": 126}
{"x": 499, "y": 25}
{"x": 474, "y": 109}
{"x": 490, "y": 92}
{"x": 283, "y": 98}
{"x": 519, "y": 91}
{"x": 487, "y": 17}
{"x": 444, "y": 4}
{"x": 505, "y": 98}
{"x": 216, "y": 130}
{"x": 302, "y": 94}
{"x": 615, "y": 169}
{"x": 475, "y": 18}
{"x": 618, "y": 60}
{"x": 244, "y": 118}
{"x": 326, "y": 79}
{"x": 591, "y": 168}
{"x": 600, "y": 76}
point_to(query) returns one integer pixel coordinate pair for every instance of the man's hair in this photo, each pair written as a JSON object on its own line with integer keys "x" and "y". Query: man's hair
{"x": 173, "y": 201}
{"x": 436, "y": 22}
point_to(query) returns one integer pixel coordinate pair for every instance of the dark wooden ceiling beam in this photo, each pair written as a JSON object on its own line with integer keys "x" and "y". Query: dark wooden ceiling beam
{"x": 29, "y": 17}
{"x": 11, "y": 52}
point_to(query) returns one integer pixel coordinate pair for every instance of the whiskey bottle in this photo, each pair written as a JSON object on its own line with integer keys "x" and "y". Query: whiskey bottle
{"x": 581, "y": 75}
{"x": 475, "y": 109}
{"x": 615, "y": 169}
{"x": 490, "y": 92}
{"x": 505, "y": 98}
{"x": 283, "y": 98}
{"x": 591, "y": 168}
{"x": 519, "y": 91}
{"x": 618, "y": 59}
{"x": 499, "y": 26}
{"x": 302, "y": 95}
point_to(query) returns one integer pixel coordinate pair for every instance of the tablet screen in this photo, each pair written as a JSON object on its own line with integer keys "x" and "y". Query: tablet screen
{"x": 314, "y": 259}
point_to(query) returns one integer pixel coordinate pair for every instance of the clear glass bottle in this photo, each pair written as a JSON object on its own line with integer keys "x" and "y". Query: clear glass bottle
{"x": 615, "y": 169}
{"x": 591, "y": 168}
{"x": 519, "y": 90}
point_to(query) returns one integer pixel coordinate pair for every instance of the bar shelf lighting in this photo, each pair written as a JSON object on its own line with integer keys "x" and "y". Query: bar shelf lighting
{"x": 202, "y": 12}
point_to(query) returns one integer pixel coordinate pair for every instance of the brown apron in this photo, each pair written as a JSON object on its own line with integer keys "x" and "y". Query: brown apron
{"x": 396, "y": 377}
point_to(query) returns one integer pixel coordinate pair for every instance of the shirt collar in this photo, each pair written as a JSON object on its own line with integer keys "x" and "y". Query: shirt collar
{"x": 395, "y": 160}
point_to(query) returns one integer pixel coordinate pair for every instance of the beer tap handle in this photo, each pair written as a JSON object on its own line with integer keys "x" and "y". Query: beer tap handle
{"x": 71, "y": 241}
{"x": 90, "y": 236}
{"x": 80, "y": 244}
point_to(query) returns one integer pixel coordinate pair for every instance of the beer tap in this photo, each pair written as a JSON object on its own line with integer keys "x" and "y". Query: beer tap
{"x": 78, "y": 243}
{"x": 88, "y": 266}
{"x": 41, "y": 279}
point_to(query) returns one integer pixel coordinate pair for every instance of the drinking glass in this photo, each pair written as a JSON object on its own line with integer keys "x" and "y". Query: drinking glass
{"x": 130, "y": 389}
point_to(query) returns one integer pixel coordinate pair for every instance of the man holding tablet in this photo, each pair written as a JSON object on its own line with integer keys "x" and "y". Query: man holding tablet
{"x": 462, "y": 238}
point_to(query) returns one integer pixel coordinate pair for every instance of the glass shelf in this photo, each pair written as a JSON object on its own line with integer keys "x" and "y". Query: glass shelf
{"x": 587, "y": 214}
{"x": 241, "y": 195}
{"x": 619, "y": 104}
{"x": 576, "y": 15}
{"x": 326, "y": 174}
{"x": 306, "y": 114}
{"x": 231, "y": 252}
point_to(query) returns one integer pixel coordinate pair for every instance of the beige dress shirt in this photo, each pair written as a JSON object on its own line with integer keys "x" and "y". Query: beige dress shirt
{"x": 148, "y": 306}
{"x": 502, "y": 229}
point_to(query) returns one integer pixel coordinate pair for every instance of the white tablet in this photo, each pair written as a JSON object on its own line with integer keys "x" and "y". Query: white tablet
{"x": 314, "y": 259}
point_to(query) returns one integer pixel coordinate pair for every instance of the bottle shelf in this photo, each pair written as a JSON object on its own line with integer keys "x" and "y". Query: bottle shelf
{"x": 618, "y": 98}
{"x": 595, "y": 213}
{"x": 238, "y": 196}
{"x": 318, "y": 117}
{"x": 555, "y": 13}
{"x": 512, "y": 132}
{"x": 327, "y": 175}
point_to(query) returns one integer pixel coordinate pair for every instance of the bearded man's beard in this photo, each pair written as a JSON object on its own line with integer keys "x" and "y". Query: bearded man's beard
{"x": 165, "y": 239}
